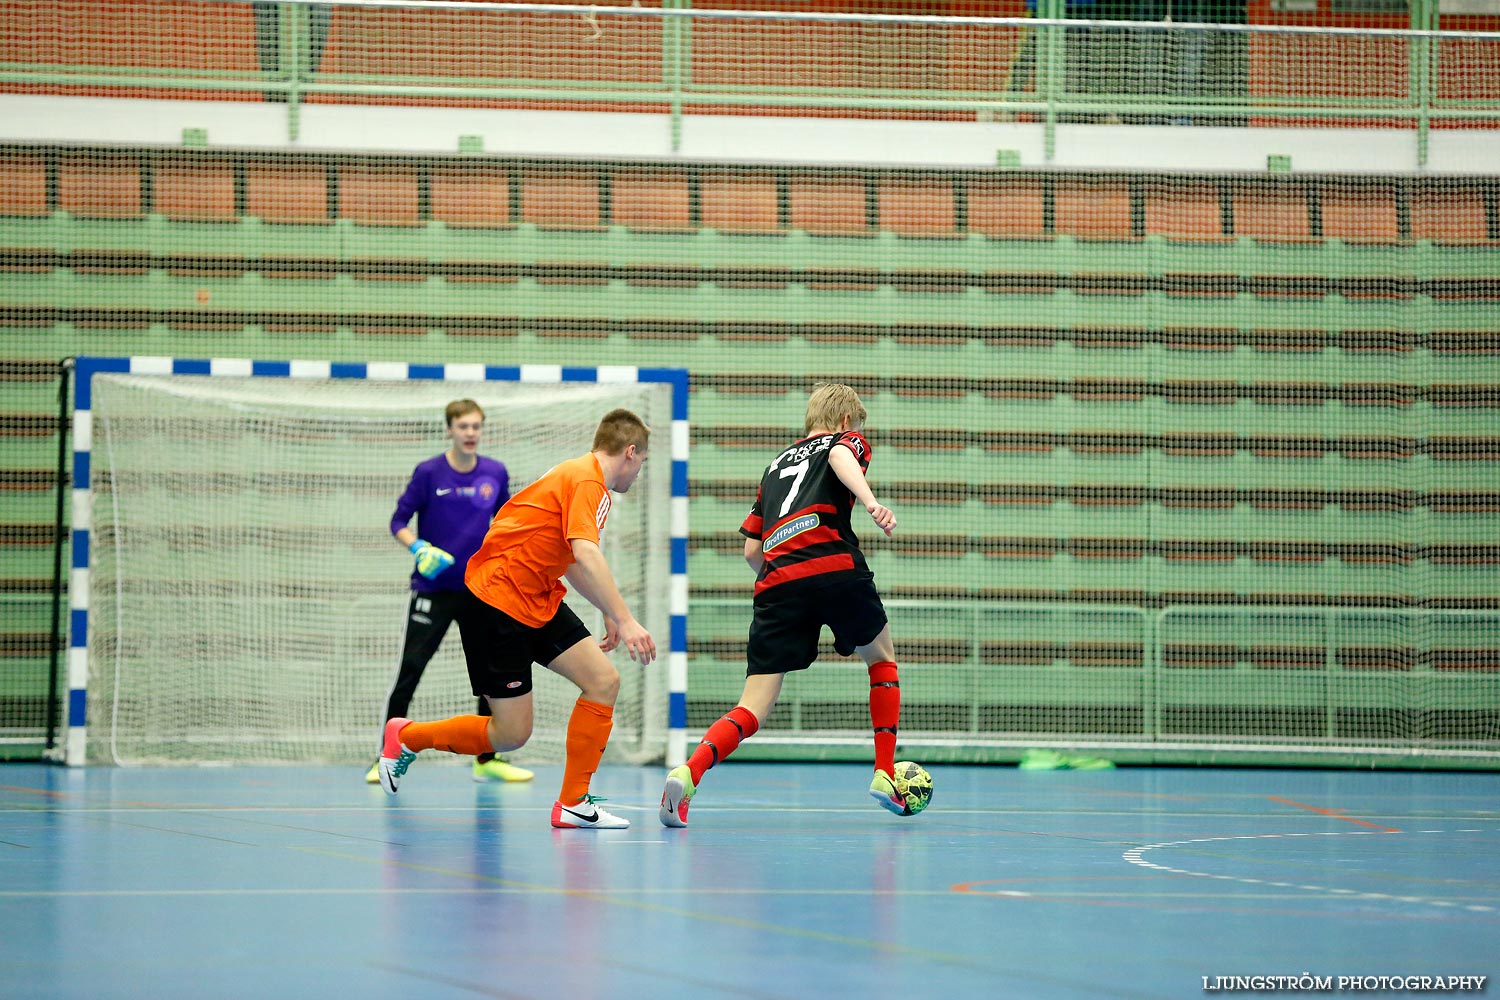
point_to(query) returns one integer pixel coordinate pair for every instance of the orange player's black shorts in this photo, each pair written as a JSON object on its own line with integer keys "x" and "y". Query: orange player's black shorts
{"x": 499, "y": 650}
{"x": 788, "y": 619}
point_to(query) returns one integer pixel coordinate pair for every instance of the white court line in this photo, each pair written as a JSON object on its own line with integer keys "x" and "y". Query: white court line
{"x": 1135, "y": 856}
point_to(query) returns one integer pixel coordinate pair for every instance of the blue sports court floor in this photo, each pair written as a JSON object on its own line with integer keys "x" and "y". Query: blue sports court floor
{"x": 1134, "y": 883}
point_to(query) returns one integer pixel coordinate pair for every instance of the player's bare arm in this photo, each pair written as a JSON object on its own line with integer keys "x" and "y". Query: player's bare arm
{"x": 844, "y": 465}
{"x": 582, "y": 585}
{"x": 590, "y": 575}
{"x": 755, "y": 553}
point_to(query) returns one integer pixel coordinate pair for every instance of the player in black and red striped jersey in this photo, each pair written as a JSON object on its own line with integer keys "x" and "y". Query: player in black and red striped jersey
{"x": 809, "y": 573}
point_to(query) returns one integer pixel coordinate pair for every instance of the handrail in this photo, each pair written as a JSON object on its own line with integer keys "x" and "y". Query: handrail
{"x": 1153, "y": 664}
{"x": 669, "y": 10}
{"x": 673, "y": 89}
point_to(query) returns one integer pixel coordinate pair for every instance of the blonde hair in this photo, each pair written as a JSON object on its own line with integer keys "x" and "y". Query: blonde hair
{"x": 462, "y": 408}
{"x": 830, "y": 403}
{"x": 619, "y": 430}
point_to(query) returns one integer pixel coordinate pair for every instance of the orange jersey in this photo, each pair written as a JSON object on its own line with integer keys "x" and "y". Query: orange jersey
{"x": 529, "y": 545}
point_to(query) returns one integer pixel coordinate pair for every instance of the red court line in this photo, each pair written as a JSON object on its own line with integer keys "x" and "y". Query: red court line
{"x": 50, "y": 793}
{"x": 35, "y": 791}
{"x": 1333, "y": 814}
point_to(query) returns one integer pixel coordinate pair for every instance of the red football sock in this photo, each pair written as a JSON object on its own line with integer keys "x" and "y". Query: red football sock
{"x": 721, "y": 740}
{"x": 885, "y": 712}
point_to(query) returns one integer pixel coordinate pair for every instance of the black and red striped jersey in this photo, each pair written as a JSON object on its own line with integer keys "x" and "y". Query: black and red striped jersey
{"x": 801, "y": 513}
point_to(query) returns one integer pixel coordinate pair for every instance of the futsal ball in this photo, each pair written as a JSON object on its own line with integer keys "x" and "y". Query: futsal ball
{"x": 914, "y": 784}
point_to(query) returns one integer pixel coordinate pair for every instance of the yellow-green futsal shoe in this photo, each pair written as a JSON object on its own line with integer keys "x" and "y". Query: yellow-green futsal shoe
{"x": 497, "y": 768}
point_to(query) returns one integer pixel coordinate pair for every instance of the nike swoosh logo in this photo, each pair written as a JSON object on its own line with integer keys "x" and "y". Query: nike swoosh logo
{"x": 443, "y": 493}
{"x": 574, "y": 812}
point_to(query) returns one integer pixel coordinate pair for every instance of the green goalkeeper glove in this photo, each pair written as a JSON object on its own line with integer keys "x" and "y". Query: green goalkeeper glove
{"x": 431, "y": 560}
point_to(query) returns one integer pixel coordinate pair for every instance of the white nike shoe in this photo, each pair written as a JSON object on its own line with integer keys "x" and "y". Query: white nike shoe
{"x": 394, "y": 757}
{"x": 586, "y": 815}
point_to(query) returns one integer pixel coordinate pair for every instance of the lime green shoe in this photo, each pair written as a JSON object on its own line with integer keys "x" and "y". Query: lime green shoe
{"x": 676, "y": 796}
{"x": 884, "y": 791}
{"x": 372, "y": 776}
{"x": 499, "y": 769}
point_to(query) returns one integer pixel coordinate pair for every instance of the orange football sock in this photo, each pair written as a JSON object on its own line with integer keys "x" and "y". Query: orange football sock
{"x": 588, "y": 732}
{"x": 466, "y": 734}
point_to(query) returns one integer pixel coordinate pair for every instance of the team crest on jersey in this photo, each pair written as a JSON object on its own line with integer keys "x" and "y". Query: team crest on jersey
{"x": 791, "y": 529}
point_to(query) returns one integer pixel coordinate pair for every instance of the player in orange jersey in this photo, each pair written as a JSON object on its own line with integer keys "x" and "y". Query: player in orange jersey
{"x": 514, "y": 617}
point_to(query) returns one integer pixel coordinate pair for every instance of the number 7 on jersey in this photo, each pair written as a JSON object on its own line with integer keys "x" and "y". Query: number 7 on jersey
{"x": 797, "y": 471}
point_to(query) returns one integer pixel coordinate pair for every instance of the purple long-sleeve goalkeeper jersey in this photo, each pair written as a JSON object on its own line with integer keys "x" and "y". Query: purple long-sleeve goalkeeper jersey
{"x": 453, "y": 511}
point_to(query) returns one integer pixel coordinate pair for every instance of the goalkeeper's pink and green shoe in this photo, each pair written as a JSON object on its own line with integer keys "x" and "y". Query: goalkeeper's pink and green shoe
{"x": 395, "y": 758}
{"x": 676, "y": 796}
{"x": 497, "y": 768}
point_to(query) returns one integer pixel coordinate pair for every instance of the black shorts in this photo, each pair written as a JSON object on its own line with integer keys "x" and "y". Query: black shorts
{"x": 788, "y": 619}
{"x": 499, "y": 650}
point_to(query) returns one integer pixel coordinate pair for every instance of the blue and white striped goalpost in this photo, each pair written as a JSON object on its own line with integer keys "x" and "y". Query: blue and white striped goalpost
{"x": 75, "y": 745}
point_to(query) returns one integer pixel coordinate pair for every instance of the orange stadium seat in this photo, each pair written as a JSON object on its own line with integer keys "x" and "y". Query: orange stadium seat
{"x": 1360, "y": 212}
{"x": 917, "y": 206}
{"x": 830, "y": 204}
{"x": 194, "y": 189}
{"x": 473, "y": 195}
{"x": 1185, "y": 210}
{"x": 1096, "y": 208}
{"x": 1449, "y": 212}
{"x": 97, "y": 185}
{"x": 23, "y": 183}
{"x": 735, "y": 201}
{"x": 560, "y": 198}
{"x": 653, "y": 200}
{"x": 287, "y": 190}
{"x": 376, "y": 194}
{"x": 1007, "y": 207}
{"x": 1276, "y": 211}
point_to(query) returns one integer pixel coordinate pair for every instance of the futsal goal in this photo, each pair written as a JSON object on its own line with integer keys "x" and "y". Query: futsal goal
{"x": 236, "y": 594}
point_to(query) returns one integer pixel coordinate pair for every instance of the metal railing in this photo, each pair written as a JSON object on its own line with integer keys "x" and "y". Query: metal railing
{"x": 1197, "y": 659}
{"x": 678, "y": 60}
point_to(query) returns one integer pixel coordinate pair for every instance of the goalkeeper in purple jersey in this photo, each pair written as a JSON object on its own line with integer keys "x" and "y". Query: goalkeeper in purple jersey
{"x": 453, "y": 496}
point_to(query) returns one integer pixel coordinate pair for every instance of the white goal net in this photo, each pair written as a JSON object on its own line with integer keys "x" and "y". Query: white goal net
{"x": 247, "y": 598}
